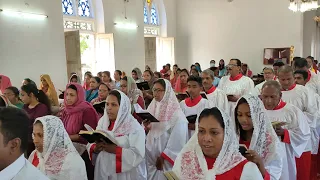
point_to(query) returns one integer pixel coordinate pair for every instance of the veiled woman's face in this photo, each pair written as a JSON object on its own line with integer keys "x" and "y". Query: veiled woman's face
{"x": 210, "y": 136}
{"x": 112, "y": 105}
{"x": 158, "y": 92}
{"x": 244, "y": 117}
{"x": 38, "y": 136}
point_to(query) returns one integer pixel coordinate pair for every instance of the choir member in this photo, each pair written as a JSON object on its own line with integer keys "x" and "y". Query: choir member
{"x": 14, "y": 142}
{"x": 213, "y": 152}
{"x": 167, "y": 137}
{"x": 257, "y": 134}
{"x": 235, "y": 85}
{"x": 276, "y": 66}
{"x": 294, "y": 134}
{"x": 216, "y": 97}
{"x": 125, "y": 159}
{"x": 55, "y": 156}
{"x": 312, "y": 82}
{"x": 303, "y": 98}
{"x": 268, "y": 74}
{"x": 194, "y": 104}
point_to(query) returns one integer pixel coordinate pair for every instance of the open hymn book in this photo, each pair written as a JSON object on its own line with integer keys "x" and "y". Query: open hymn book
{"x": 94, "y": 136}
{"x": 144, "y": 114}
{"x": 170, "y": 175}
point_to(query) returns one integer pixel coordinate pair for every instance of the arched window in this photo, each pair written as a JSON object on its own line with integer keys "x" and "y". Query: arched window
{"x": 67, "y": 7}
{"x": 153, "y": 16}
{"x": 84, "y": 8}
{"x": 145, "y": 15}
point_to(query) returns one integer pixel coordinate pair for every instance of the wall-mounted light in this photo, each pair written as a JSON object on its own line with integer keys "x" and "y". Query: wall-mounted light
{"x": 22, "y": 14}
{"x": 126, "y": 25}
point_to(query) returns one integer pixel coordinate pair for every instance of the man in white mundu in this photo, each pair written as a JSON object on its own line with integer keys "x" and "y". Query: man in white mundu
{"x": 294, "y": 134}
{"x": 216, "y": 97}
{"x": 235, "y": 85}
{"x": 195, "y": 104}
{"x": 312, "y": 81}
{"x": 302, "y": 98}
{"x": 268, "y": 74}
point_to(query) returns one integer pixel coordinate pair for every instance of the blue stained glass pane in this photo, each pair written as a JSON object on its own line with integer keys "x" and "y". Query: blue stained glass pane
{"x": 145, "y": 14}
{"x": 84, "y": 8}
{"x": 67, "y": 7}
{"x": 154, "y": 16}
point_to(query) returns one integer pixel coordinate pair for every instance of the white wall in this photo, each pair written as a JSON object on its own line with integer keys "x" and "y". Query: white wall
{"x": 29, "y": 48}
{"x": 242, "y": 29}
{"x": 128, "y": 44}
{"x": 309, "y": 33}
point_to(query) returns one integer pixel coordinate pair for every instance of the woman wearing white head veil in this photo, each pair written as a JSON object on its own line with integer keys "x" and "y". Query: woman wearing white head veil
{"x": 256, "y": 132}
{"x": 123, "y": 160}
{"x": 166, "y": 138}
{"x": 55, "y": 155}
{"x": 212, "y": 153}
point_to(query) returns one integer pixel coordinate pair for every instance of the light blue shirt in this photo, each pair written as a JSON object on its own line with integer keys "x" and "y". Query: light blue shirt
{"x": 216, "y": 81}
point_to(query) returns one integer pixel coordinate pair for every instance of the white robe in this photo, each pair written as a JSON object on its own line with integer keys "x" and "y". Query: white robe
{"x": 238, "y": 88}
{"x": 256, "y": 91}
{"x": 131, "y": 159}
{"x": 168, "y": 144}
{"x": 194, "y": 110}
{"x": 314, "y": 83}
{"x": 218, "y": 99}
{"x": 299, "y": 135}
{"x": 303, "y": 98}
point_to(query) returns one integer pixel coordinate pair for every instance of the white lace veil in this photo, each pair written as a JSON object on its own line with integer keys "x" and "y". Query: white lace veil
{"x": 166, "y": 111}
{"x": 264, "y": 139}
{"x": 56, "y": 147}
{"x": 125, "y": 122}
{"x": 191, "y": 163}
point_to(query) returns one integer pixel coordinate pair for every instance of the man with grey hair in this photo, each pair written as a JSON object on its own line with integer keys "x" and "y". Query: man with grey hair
{"x": 268, "y": 74}
{"x": 304, "y": 99}
{"x": 216, "y": 97}
{"x": 294, "y": 132}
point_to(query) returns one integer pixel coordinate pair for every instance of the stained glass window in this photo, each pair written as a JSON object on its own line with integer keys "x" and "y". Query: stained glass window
{"x": 84, "y": 8}
{"x": 154, "y": 16}
{"x": 67, "y": 7}
{"x": 145, "y": 14}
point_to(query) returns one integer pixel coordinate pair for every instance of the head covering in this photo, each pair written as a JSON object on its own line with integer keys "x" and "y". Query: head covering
{"x": 132, "y": 90}
{"x": 165, "y": 111}
{"x": 30, "y": 81}
{"x": 71, "y": 114}
{"x": 75, "y": 76}
{"x": 51, "y": 92}
{"x": 191, "y": 163}
{"x": 6, "y": 101}
{"x": 125, "y": 122}
{"x": 264, "y": 140}
{"x": 139, "y": 74}
{"x": 5, "y": 83}
{"x": 57, "y": 147}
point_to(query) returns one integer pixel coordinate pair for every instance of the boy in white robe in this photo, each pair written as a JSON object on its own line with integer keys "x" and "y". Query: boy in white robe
{"x": 312, "y": 81}
{"x": 235, "y": 85}
{"x": 165, "y": 138}
{"x": 14, "y": 125}
{"x": 216, "y": 97}
{"x": 194, "y": 104}
{"x": 123, "y": 160}
{"x": 294, "y": 135}
{"x": 268, "y": 74}
{"x": 302, "y": 98}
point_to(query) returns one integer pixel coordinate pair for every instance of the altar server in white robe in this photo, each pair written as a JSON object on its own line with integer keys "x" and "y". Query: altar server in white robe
{"x": 213, "y": 152}
{"x": 216, "y": 97}
{"x": 256, "y": 132}
{"x": 268, "y": 75}
{"x": 294, "y": 135}
{"x": 303, "y": 98}
{"x": 125, "y": 159}
{"x": 312, "y": 81}
{"x": 235, "y": 85}
{"x": 55, "y": 155}
{"x": 194, "y": 104}
{"x": 166, "y": 138}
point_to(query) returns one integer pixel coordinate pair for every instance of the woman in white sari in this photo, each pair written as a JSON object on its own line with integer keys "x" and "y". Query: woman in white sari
{"x": 166, "y": 138}
{"x": 124, "y": 159}
{"x": 55, "y": 155}
{"x": 212, "y": 153}
{"x": 256, "y": 132}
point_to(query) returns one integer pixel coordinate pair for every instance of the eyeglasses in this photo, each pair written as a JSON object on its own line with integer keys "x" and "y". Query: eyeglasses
{"x": 157, "y": 90}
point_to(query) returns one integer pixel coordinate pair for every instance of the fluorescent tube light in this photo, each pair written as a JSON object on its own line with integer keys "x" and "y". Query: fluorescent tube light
{"x": 22, "y": 14}
{"x": 126, "y": 25}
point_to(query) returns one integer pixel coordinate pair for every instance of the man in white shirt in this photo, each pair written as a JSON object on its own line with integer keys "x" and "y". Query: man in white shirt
{"x": 13, "y": 143}
{"x": 268, "y": 74}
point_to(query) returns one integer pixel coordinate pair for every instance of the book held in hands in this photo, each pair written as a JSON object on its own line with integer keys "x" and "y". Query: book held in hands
{"x": 143, "y": 86}
{"x": 98, "y": 136}
{"x": 144, "y": 114}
